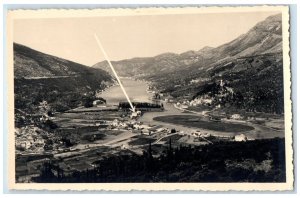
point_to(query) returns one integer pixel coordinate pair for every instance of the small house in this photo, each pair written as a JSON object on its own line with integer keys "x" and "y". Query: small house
{"x": 97, "y": 102}
{"x": 240, "y": 138}
{"x": 236, "y": 117}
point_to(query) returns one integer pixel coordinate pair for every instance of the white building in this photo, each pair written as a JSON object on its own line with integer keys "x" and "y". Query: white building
{"x": 184, "y": 106}
{"x": 240, "y": 138}
{"x": 135, "y": 114}
{"x": 39, "y": 141}
{"x": 23, "y": 144}
{"x": 236, "y": 117}
{"x": 161, "y": 129}
{"x": 146, "y": 131}
{"x": 97, "y": 102}
{"x": 115, "y": 123}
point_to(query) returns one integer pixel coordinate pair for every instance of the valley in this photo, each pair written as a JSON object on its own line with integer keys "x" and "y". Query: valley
{"x": 196, "y": 110}
{"x": 84, "y": 136}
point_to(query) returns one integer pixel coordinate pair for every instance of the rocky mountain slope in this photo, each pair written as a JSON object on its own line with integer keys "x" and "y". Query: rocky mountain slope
{"x": 265, "y": 37}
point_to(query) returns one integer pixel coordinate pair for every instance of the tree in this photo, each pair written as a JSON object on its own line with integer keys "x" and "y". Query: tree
{"x": 50, "y": 124}
{"x": 88, "y": 102}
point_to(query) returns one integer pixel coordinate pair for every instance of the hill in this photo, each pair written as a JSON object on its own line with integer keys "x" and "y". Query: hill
{"x": 250, "y": 65}
{"x": 62, "y": 84}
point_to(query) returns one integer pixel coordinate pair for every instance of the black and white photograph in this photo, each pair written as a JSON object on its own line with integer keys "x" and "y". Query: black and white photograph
{"x": 153, "y": 96}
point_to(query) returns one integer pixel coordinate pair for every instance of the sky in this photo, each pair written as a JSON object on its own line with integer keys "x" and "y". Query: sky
{"x": 125, "y": 37}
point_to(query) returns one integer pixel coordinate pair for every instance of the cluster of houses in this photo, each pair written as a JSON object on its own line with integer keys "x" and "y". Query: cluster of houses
{"x": 29, "y": 139}
{"x": 134, "y": 126}
{"x": 194, "y": 81}
{"x": 206, "y": 99}
{"x": 140, "y": 128}
{"x": 203, "y": 100}
{"x": 200, "y": 134}
{"x": 236, "y": 138}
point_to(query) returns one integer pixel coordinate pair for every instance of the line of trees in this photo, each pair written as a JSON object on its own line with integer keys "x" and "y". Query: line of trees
{"x": 126, "y": 105}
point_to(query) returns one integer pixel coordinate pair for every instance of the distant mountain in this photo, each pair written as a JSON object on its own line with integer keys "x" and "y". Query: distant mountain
{"x": 253, "y": 60}
{"x": 251, "y": 66}
{"x": 265, "y": 37}
{"x": 139, "y": 67}
{"x": 62, "y": 83}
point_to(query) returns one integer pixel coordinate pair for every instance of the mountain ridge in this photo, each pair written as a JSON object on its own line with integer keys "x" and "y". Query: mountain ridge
{"x": 29, "y": 62}
{"x": 265, "y": 36}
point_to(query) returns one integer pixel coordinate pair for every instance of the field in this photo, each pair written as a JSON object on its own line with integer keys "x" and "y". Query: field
{"x": 195, "y": 121}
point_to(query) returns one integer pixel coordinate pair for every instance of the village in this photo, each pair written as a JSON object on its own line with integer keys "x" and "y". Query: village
{"x": 32, "y": 139}
{"x": 80, "y": 137}
{"x": 118, "y": 131}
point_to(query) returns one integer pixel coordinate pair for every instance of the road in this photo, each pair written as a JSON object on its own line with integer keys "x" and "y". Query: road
{"x": 47, "y": 77}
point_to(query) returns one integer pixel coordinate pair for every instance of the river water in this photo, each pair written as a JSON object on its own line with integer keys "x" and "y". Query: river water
{"x": 136, "y": 90}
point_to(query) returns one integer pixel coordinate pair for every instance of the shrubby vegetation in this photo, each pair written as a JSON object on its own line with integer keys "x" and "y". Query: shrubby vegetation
{"x": 253, "y": 161}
